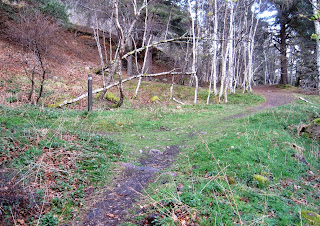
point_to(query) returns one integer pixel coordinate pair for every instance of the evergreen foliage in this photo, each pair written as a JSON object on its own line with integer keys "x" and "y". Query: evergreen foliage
{"x": 52, "y": 8}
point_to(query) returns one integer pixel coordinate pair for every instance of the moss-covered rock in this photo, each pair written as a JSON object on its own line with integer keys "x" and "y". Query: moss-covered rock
{"x": 262, "y": 180}
{"x": 155, "y": 99}
{"x": 312, "y": 130}
{"x": 310, "y": 216}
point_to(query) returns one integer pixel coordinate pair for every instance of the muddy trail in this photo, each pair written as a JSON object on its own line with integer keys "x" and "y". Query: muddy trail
{"x": 112, "y": 207}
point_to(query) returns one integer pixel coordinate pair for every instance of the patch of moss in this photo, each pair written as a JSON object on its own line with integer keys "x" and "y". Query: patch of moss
{"x": 231, "y": 180}
{"x": 310, "y": 216}
{"x": 317, "y": 121}
{"x": 55, "y": 105}
{"x": 284, "y": 86}
{"x": 98, "y": 95}
{"x": 111, "y": 97}
{"x": 155, "y": 99}
{"x": 260, "y": 179}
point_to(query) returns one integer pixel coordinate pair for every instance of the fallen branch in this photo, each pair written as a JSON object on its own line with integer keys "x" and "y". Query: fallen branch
{"x": 117, "y": 83}
{"x": 152, "y": 45}
{"x": 301, "y": 98}
{"x": 178, "y": 101}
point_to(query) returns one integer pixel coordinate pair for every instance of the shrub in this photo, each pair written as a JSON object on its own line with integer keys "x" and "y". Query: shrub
{"x": 56, "y": 10}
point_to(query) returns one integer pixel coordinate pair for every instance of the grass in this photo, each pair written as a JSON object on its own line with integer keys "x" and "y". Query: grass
{"x": 56, "y": 156}
{"x": 50, "y": 163}
{"x": 218, "y": 175}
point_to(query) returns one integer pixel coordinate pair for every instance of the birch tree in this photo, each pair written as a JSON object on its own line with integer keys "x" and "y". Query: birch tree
{"x": 194, "y": 53}
{"x": 316, "y": 19}
{"x": 224, "y": 54}
{"x": 250, "y": 49}
{"x": 213, "y": 76}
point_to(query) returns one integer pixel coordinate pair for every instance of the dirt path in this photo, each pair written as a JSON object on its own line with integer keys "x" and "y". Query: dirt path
{"x": 115, "y": 203}
{"x": 112, "y": 208}
{"x": 274, "y": 96}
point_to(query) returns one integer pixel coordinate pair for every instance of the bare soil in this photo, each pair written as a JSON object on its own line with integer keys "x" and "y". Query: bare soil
{"x": 112, "y": 208}
{"x": 274, "y": 97}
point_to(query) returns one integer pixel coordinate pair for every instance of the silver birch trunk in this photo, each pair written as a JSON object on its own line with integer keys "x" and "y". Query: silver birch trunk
{"x": 225, "y": 50}
{"x": 223, "y": 72}
{"x": 143, "y": 67}
{"x": 213, "y": 77}
{"x": 97, "y": 38}
{"x": 194, "y": 54}
{"x": 315, "y": 6}
{"x": 252, "y": 34}
{"x": 231, "y": 53}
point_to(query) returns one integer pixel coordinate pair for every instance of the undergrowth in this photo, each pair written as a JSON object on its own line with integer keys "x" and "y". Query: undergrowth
{"x": 47, "y": 166}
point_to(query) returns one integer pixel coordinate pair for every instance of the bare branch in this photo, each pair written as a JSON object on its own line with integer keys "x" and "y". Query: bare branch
{"x": 123, "y": 81}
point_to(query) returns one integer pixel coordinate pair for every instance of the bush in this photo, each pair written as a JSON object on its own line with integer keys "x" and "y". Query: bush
{"x": 56, "y": 10}
{"x": 12, "y": 99}
{"x": 49, "y": 219}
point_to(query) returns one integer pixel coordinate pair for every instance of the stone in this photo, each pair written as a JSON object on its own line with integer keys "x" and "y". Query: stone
{"x": 155, "y": 152}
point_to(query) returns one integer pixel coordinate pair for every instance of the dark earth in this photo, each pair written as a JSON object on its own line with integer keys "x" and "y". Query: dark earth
{"x": 114, "y": 206}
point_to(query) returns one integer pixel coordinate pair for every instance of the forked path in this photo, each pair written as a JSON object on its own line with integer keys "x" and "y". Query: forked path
{"x": 112, "y": 208}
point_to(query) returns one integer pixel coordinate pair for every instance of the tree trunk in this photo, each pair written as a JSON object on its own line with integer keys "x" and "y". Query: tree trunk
{"x": 230, "y": 77}
{"x": 194, "y": 54}
{"x": 43, "y": 76}
{"x": 283, "y": 53}
{"x": 121, "y": 52}
{"x": 315, "y": 5}
{"x": 130, "y": 58}
{"x": 148, "y": 68}
{"x": 213, "y": 76}
{"x": 225, "y": 50}
{"x": 102, "y": 64}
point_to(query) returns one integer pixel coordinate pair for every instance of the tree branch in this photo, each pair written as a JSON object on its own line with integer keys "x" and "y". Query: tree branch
{"x": 123, "y": 81}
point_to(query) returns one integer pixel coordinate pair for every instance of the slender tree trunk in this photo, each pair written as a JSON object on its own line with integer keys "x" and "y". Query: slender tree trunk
{"x": 130, "y": 58}
{"x": 283, "y": 53}
{"x": 148, "y": 68}
{"x": 43, "y": 76}
{"x": 225, "y": 50}
{"x": 315, "y": 5}
{"x": 102, "y": 64}
{"x": 213, "y": 77}
{"x": 250, "y": 49}
{"x": 194, "y": 54}
{"x": 121, "y": 52}
{"x": 230, "y": 75}
{"x": 143, "y": 67}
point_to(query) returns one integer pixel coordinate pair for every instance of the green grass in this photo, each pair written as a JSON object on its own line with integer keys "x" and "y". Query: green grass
{"x": 219, "y": 174}
{"x": 69, "y": 151}
{"x": 53, "y": 161}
